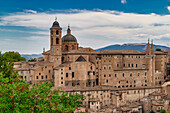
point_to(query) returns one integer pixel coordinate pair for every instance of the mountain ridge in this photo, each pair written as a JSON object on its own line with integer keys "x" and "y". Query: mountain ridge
{"x": 128, "y": 46}
{"x": 132, "y": 46}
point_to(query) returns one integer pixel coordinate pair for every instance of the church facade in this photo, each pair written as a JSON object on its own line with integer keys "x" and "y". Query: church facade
{"x": 69, "y": 66}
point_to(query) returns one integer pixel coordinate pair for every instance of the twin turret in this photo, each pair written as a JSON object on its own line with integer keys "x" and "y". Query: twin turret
{"x": 150, "y": 49}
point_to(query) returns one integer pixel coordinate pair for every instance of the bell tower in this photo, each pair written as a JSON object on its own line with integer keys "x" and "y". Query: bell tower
{"x": 56, "y": 43}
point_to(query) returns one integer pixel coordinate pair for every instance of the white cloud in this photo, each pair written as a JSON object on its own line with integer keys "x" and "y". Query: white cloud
{"x": 168, "y": 7}
{"x": 123, "y": 1}
{"x": 30, "y": 11}
{"x": 97, "y": 28}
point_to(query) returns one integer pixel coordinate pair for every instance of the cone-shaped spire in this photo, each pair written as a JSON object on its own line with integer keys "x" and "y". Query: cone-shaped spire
{"x": 152, "y": 47}
{"x": 148, "y": 49}
{"x": 68, "y": 30}
{"x": 148, "y": 46}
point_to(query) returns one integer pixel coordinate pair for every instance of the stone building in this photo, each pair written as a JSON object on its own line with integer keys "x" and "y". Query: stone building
{"x": 106, "y": 78}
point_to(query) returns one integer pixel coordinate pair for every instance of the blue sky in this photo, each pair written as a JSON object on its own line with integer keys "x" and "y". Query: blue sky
{"x": 24, "y": 25}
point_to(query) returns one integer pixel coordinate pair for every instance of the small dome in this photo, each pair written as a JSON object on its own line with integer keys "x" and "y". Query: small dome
{"x": 69, "y": 38}
{"x": 56, "y": 24}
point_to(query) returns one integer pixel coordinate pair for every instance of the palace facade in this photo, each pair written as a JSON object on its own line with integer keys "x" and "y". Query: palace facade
{"x": 123, "y": 76}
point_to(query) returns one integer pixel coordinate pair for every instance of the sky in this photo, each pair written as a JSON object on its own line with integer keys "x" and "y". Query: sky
{"x": 25, "y": 25}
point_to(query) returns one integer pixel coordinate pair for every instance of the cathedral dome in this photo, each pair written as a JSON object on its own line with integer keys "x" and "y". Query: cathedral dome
{"x": 69, "y": 37}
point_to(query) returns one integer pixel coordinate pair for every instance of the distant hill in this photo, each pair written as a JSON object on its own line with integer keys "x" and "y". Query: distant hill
{"x": 27, "y": 56}
{"x": 132, "y": 46}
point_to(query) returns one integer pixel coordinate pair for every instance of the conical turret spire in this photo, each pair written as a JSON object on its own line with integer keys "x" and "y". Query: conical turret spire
{"x": 152, "y": 47}
{"x": 148, "y": 49}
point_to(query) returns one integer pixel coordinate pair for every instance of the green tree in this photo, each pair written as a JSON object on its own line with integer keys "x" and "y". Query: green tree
{"x": 17, "y": 96}
{"x": 163, "y": 111}
{"x": 158, "y": 49}
{"x": 12, "y": 56}
{"x": 32, "y": 60}
{"x": 6, "y": 67}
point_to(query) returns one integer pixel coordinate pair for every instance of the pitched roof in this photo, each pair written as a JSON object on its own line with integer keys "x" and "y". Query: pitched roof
{"x": 81, "y": 59}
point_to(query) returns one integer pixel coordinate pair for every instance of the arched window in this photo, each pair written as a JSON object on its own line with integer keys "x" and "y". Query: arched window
{"x": 57, "y": 41}
{"x": 72, "y": 47}
{"x": 62, "y": 59}
{"x": 66, "y": 48}
{"x": 91, "y": 67}
{"x": 57, "y": 32}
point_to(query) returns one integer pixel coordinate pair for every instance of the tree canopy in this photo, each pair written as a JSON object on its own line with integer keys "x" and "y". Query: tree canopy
{"x": 18, "y": 96}
{"x": 12, "y": 56}
{"x": 158, "y": 49}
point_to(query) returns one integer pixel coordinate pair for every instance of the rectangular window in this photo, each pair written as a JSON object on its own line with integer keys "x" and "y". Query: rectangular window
{"x": 66, "y": 74}
{"x": 117, "y": 65}
{"x": 49, "y": 71}
{"x": 69, "y": 68}
{"x": 72, "y": 74}
{"x": 37, "y": 77}
{"x": 123, "y": 65}
{"x": 136, "y": 65}
{"x": 128, "y": 65}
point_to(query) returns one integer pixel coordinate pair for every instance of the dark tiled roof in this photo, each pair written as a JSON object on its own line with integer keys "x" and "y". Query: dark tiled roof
{"x": 56, "y": 24}
{"x": 81, "y": 59}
